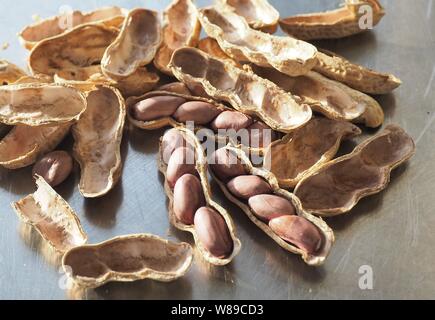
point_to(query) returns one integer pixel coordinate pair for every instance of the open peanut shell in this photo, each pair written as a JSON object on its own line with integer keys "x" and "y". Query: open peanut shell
{"x": 51, "y": 216}
{"x": 259, "y": 14}
{"x": 211, "y": 47}
{"x": 97, "y": 137}
{"x": 54, "y": 26}
{"x": 23, "y": 145}
{"x": 302, "y": 152}
{"x": 235, "y": 37}
{"x": 167, "y": 120}
{"x": 38, "y": 104}
{"x": 355, "y": 76}
{"x": 333, "y": 99}
{"x": 337, "y": 186}
{"x": 245, "y": 91}
{"x": 10, "y": 73}
{"x": 127, "y": 258}
{"x": 140, "y": 82}
{"x": 78, "y": 48}
{"x": 135, "y": 46}
{"x": 181, "y": 29}
{"x": 201, "y": 168}
{"x": 334, "y": 24}
{"x": 328, "y": 236}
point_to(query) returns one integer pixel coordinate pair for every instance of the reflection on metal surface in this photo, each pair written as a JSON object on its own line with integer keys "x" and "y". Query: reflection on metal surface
{"x": 33, "y": 239}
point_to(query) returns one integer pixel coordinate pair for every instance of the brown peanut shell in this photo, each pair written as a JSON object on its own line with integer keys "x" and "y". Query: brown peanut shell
{"x": 10, "y": 73}
{"x": 259, "y": 14}
{"x": 355, "y": 76}
{"x": 127, "y": 258}
{"x": 327, "y": 233}
{"x": 51, "y": 216}
{"x": 54, "y": 26}
{"x": 245, "y": 91}
{"x": 182, "y": 28}
{"x": 80, "y": 47}
{"x": 97, "y": 145}
{"x": 201, "y": 167}
{"x": 38, "y": 104}
{"x": 337, "y": 186}
{"x": 23, "y": 145}
{"x": 135, "y": 46}
{"x": 333, "y": 99}
{"x": 235, "y": 37}
{"x": 302, "y": 152}
{"x": 333, "y": 24}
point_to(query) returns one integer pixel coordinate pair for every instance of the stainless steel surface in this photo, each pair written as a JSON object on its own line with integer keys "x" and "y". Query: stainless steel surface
{"x": 392, "y": 232}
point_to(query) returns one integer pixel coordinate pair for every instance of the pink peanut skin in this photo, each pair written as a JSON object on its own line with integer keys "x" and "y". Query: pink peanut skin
{"x": 181, "y": 162}
{"x": 188, "y": 197}
{"x": 199, "y": 112}
{"x": 298, "y": 231}
{"x": 226, "y": 165}
{"x": 156, "y": 107}
{"x": 54, "y": 167}
{"x": 247, "y": 186}
{"x": 213, "y": 232}
{"x": 269, "y": 206}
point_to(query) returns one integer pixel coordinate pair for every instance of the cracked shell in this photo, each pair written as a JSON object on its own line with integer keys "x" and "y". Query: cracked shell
{"x": 259, "y": 14}
{"x": 314, "y": 259}
{"x": 182, "y": 29}
{"x": 52, "y": 217}
{"x": 54, "y": 26}
{"x": 337, "y": 186}
{"x": 328, "y": 97}
{"x": 245, "y": 91}
{"x": 80, "y": 47}
{"x": 201, "y": 168}
{"x": 355, "y": 76}
{"x": 333, "y": 24}
{"x": 10, "y": 73}
{"x": 140, "y": 82}
{"x": 135, "y": 46}
{"x": 301, "y": 152}
{"x": 127, "y": 258}
{"x": 235, "y": 37}
{"x": 97, "y": 141}
{"x": 38, "y": 104}
{"x": 23, "y": 145}
{"x": 211, "y": 47}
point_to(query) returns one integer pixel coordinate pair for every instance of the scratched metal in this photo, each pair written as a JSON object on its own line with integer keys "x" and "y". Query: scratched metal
{"x": 392, "y": 232}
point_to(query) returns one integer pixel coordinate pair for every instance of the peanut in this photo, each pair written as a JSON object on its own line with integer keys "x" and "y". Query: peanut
{"x": 176, "y": 87}
{"x": 171, "y": 141}
{"x": 198, "y": 111}
{"x": 226, "y": 165}
{"x": 188, "y": 197}
{"x": 231, "y": 120}
{"x": 247, "y": 186}
{"x": 213, "y": 232}
{"x": 156, "y": 107}
{"x": 181, "y": 162}
{"x": 54, "y": 167}
{"x": 298, "y": 231}
{"x": 268, "y": 206}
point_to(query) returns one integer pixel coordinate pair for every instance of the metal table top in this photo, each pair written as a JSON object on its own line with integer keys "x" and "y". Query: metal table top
{"x": 392, "y": 232}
